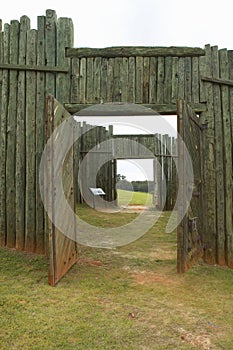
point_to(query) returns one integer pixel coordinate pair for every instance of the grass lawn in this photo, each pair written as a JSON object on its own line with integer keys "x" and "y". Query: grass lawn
{"x": 129, "y": 298}
{"x": 134, "y": 198}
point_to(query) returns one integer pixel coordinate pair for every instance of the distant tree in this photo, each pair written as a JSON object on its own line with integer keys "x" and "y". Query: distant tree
{"x": 120, "y": 177}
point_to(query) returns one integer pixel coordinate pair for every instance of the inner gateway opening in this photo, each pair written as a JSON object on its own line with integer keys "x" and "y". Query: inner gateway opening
{"x": 145, "y": 175}
{"x": 133, "y": 181}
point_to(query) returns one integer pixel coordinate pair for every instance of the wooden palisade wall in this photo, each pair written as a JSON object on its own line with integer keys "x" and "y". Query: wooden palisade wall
{"x": 34, "y": 63}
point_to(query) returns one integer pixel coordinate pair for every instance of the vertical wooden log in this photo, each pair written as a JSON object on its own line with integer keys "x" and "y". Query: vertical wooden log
{"x": 41, "y": 216}
{"x": 96, "y": 83}
{"x": 11, "y": 137}
{"x": 30, "y": 219}
{"x": 220, "y": 215}
{"x": 209, "y": 224}
{"x": 175, "y": 79}
{"x": 227, "y": 147}
{"x": 110, "y": 80}
{"x": 3, "y": 129}
{"x": 181, "y": 79}
{"x": 202, "y": 72}
{"x": 65, "y": 38}
{"x": 195, "y": 80}
{"x": 20, "y": 137}
{"x": 132, "y": 80}
{"x": 153, "y": 79}
{"x": 230, "y": 62}
{"x": 146, "y": 79}
{"x": 74, "y": 94}
{"x": 160, "y": 80}
{"x": 188, "y": 79}
{"x": 167, "y": 80}
{"x": 82, "y": 80}
{"x": 117, "y": 79}
{"x": 124, "y": 79}
{"x": 90, "y": 80}
{"x": 139, "y": 80}
{"x": 50, "y": 49}
{"x": 104, "y": 79}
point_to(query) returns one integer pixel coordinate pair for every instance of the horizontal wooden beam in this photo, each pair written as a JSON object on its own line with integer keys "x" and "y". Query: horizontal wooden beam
{"x": 133, "y": 51}
{"x": 34, "y": 68}
{"x": 218, "y": 81}
{"x": 165, "y": 109}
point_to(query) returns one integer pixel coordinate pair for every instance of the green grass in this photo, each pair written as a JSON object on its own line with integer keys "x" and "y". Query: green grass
{"x": 129, "y": 298}
{"x": 134, "y": 198}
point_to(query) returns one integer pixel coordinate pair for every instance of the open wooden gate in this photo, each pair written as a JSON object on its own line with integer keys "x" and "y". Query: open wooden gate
{"x": 62, "y": 250}
{"x": 190, "y": 229}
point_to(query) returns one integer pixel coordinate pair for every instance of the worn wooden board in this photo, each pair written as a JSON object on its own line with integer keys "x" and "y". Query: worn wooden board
{"x": 190, "y": 245}
{"x": 20, "y": 138}
{"x": 62, "y": 250}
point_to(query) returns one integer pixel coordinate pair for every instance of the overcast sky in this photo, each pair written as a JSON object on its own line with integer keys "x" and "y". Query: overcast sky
{"x": 136, "y": 22}
{"x": 102, "y": 23}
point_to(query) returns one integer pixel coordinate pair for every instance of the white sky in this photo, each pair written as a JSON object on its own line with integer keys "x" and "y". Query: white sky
{"x": 106, "y": 23}
{"x": 136, "y": 22}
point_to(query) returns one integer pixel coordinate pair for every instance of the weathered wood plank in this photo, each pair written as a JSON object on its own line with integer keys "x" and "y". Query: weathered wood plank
{"x": 227, "y": 148}
{"x": 117, "y": 79}
{"x": 220, "y": 209}
{"x": 188, "y": 79}
{"x": 146, "y": 79}
{"x": 3, "y": 138}
{"x": 209, "y": 208}
{"x": 181, "y": 78}
{"x": 90, "y": 81}
{"x": 134, "y": 51}
{"x": 75, "y": 77}
{"x": 82, "y": 80}
{"x": 41, "y": 216}
{"x": 20, "y": 138}
{"x": 159, "y": 108}
{"x": 175, "y": 79}
{"x": 153, "y": 80}
{"x": 139, "y": 80}
{"x": 132, "y": 80}
{"x": 11, "y": 137}
{"x": 195, "y": 80}
{"x": 39, "y": 68}
{"x": 50, "y": 49}
{"x": 97, "y": 79}
{"x": 167, "y": 80}
{"x": 30, "y": 204}
{"x": 218, "y": 81}
{"x": 202, "y": 72}
{"x": 110, "y": 80}
{"x": 104, "y": 79}
{"x": 230, "y": 62}
{"x": 160, "y": 80}
{"x": 65, "y": 38}
{"x": 124, "y": 74}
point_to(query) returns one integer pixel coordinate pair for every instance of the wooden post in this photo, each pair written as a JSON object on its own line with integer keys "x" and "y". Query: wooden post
{"x": 3, "y": 127}
{"x": 30, "y": 222}
{"x": 227, "y": 151}
{"x": 20, "y": 137}
{"x": 11, "y": 137}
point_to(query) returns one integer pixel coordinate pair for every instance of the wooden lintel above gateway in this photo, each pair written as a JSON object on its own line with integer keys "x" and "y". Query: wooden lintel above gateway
{"x": 134, "y": 51}
{"x": 165, "y": 109}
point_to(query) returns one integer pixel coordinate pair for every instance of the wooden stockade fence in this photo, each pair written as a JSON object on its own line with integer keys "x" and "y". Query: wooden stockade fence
{"x": 35, "y": 63}
{"x": 32, "y": 64}
{"x": 162, "y": 149}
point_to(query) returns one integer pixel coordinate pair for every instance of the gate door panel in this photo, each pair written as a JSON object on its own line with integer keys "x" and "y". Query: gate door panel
{"x": 190, "y": 229}
{"x": 61, "y": 249}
